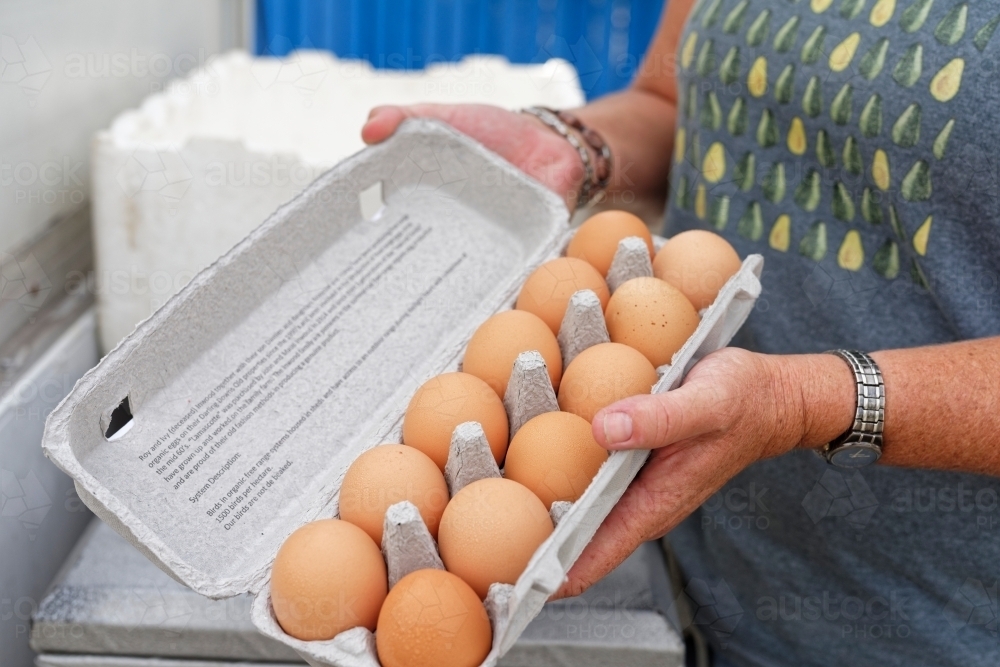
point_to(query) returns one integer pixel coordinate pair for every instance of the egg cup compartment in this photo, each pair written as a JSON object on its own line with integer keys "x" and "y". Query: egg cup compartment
{"x": 255, "y": 387}
{"x": 583, "y": 325}
{"x": 631, "y": 261}
{"x": 470, "y": 458}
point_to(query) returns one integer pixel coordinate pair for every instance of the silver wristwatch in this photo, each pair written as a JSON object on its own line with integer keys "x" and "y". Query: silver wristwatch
{"x": 861, "y": 444}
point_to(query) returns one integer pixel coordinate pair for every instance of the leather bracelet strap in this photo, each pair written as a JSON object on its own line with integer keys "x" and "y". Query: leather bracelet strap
{"x": 861, "y": 444}
{"x": 597, "y": 169}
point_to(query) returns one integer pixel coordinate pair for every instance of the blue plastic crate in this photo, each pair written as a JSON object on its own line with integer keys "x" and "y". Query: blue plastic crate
{"x": 603, "y": 39}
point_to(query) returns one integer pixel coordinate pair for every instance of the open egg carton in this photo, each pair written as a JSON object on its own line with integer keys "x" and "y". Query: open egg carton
{"x": 228, "y": 419}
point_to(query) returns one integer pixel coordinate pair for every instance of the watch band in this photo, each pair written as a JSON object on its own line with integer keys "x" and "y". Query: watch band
{"x": 861, "y": 444}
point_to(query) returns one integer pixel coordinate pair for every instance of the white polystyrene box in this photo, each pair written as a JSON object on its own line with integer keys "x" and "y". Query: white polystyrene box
{"x": 315, "y": 331}
{"x": 180, "y": 180}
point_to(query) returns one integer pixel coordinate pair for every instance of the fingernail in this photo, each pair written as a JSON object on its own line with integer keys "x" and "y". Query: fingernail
{"x": 617, "y": 427}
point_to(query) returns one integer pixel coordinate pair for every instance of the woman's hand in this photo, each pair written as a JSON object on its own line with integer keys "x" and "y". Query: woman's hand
{"x": 734, "y": 408}
{"x": 522, "y": 140}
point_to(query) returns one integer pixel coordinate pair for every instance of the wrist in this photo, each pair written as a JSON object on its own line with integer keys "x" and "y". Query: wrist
{"x": 821, "y": 396}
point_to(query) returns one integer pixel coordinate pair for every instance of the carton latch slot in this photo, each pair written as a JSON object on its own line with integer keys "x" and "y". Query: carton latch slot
{"x": 371, "y": 202}
{"x": 118, "y": 422}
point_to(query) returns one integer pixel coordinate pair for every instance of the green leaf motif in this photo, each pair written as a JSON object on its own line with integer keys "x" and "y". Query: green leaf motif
{"x": 767, "y": 130}
{"x": 886, "y": 260}
{"x": 743, "y": 174}
{"x": 870, "y": 209}
{"x": 852, "y": 157}
{"x": 824, "y": 150}
{"x": 734, "y": 19}
{"x": 751, "y": 224}
{"x": 729, "y": 71}
{"x": 812, "y": 99}
{"x": 916, "y": 184}
{"x": 691, "y": 101}
{"x": 896, "y": 223}
{"x": 871, "y": 117}
{"x": 807, "y": 195}
{"x": 910, "y": 66}
{"x": 874, "y": 60}
{"x": 737, "y": 121}
{"x": 711, "y": 112}
{"x": 718, "y": 212}
{"x": 813, "y": 48}
{"x": 759, "y": 29}
{"x": 984, "y": 34}
{"x": 941, "y": 141}
{"x": 851, "y": 8}
{"x": 906, "y": 129}
{"x": 774, "y": 183}
{"x": 681, "y": 195}
{"x": 915, "y": 15}
{"x": 785, "y": 38}
{"x": 813, "y": 244}
{"x": 840, "y": 108}
{"x": 843, "y": 205}
{"x": 696, "y": 151}
{"x": 952, "y": 26}
{"x": 711, "y": 16}
{"x": 917, "y": 275}
{"x": 784, "y": 87}
{"x": 706, "y": 58}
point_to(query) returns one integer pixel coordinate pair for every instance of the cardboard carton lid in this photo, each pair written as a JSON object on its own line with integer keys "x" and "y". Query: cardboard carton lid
{"x": 252, "y": 390}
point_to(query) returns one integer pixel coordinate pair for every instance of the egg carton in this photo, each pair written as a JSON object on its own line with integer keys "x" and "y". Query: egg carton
{"x": 228, "y": 419}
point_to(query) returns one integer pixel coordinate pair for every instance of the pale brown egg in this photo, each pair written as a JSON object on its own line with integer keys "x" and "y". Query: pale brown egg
{"x": 596, "y": 242}
{"x": 652, "y": 316}
{"x": 698, "y": 263}
{"x": 432, "y": 618}
{"x": 444, "y": 402}
{"x": 555, "y": 456}
{"x": 490, "y": 530}
{"x": 497, "y": 342}
{"x": 601, "y": 375}
{"x": 328, "y": 577}
{"x": 386, "y": 475}
{"x": 548, "y": 289}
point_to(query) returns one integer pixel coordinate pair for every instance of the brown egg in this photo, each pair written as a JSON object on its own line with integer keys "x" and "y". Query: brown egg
{"x": 432, "y": 618}
{"x": 490, "y": 530}
{"x": 386, "y": 475}
{"x": 497, "y": 342}
{"x": 444, "y": 402}
{"x": 698, "y": 263}
{"x": 652, "y": 316}
{"x": 596, "y": 242}
{"x": 555, "y": 456}
{"x": 601, "y": 375}
{"x": 547, "y": 290}
{"x": 328, "y": 577}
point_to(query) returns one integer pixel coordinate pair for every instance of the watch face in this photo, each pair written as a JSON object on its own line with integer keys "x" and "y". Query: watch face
{"x": 855, "y": 456}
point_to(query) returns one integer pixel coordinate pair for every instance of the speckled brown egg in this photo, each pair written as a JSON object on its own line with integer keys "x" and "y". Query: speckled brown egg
{"x": 555, "y": 456}
{"x": 386, "y": 475}
{"x": 490, "y": 530}
{"x": 596, "y": 242}
{"x": 601, "y": 375}
{"x": 548, "y": 289}
{"x": 495, "y": 345}
{"x": 444, "y": 402}
{"x": 698, "y": 263}
{"x": 652, "y": 316}
{"x": 328, "y": 577}
{"x": 432, "y": 618}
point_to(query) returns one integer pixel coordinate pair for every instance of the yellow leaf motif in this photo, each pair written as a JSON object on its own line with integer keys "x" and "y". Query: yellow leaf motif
{"x": 820, "y": 6}
{"x": 797, "y": 137}
{"x": 687, "y": 53}
{"x": 757, "y": 78}
{"x": 946, "y": 83}
{"x": 851, "y": 255}
{"x": 882, "y": 12}
{"x": 713, "y": 167}
{"x": 843, "y": 53}
{"x": 880, "y": 169}
{"x": 922, "y": 235}
{"x": 699, "y": 202}
{"x": 680, "y": 144}
{"x": 781, "y": 233}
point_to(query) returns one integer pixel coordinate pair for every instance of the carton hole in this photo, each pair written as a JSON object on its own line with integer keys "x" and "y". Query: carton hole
{"x": 121, "y": 421}
{"x": 371, "y": 202}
